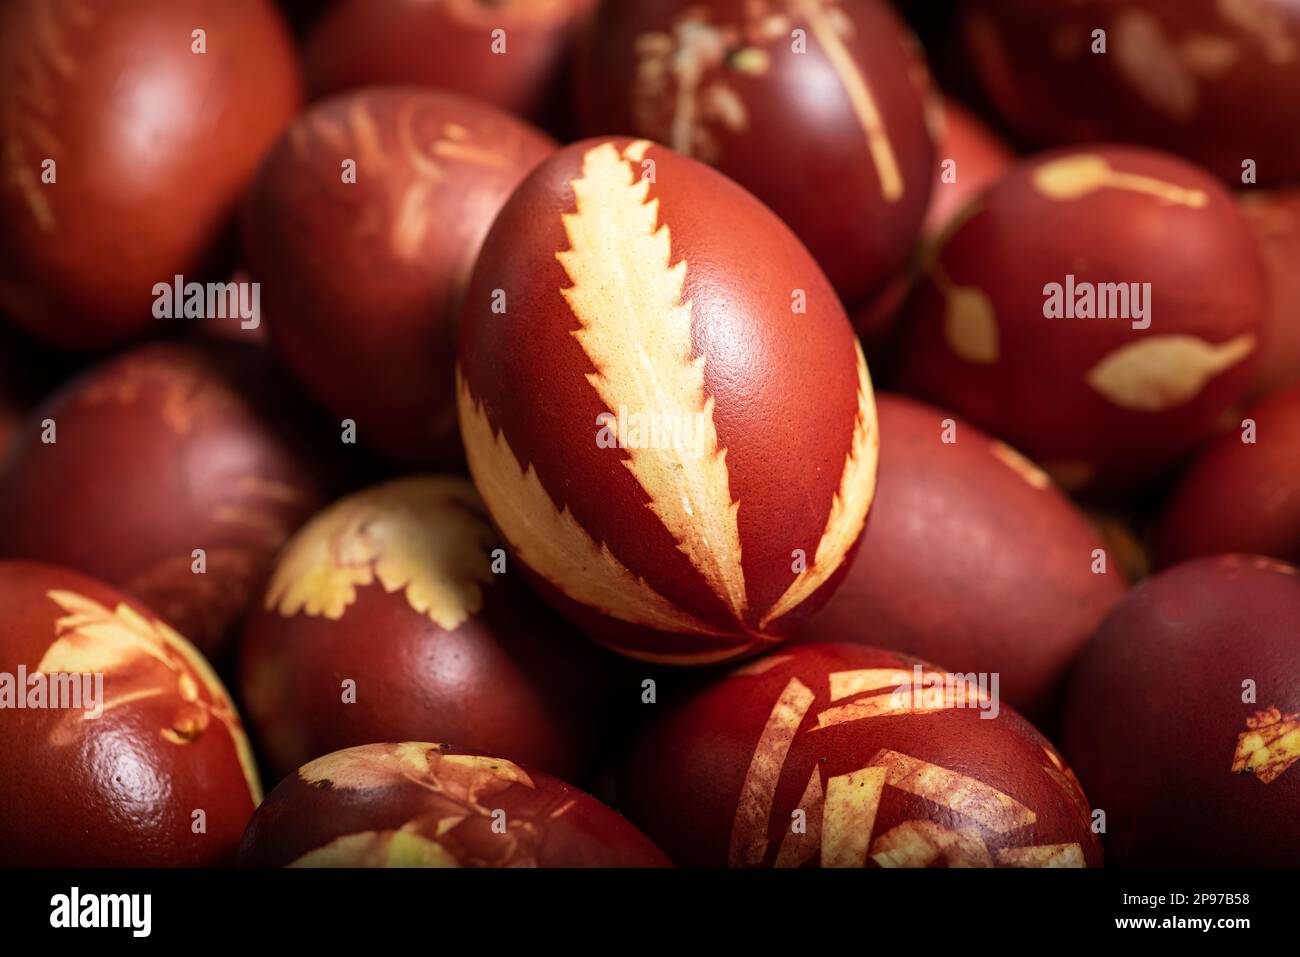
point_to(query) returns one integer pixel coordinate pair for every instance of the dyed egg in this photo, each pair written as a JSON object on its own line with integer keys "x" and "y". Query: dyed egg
{"x": 663, "y": 405}
{"x": 819, "y": 109}
{"x": 973, "y": 558}
{"x": 384, "y": 620}
{"x": 507, "y": 52}
{"x": 363, "y": 266}
{"x": 846, "y": 756}
{"x": 970, "y": 157}
{"x": 429, "y": 805}
{"x": 1217, "y": 82}
{"x": 1276, "y": 217}
{"x": 1099, "y": 309}
{"x": 173, "y": 472}
{"x": 1242, "y": 494}
{"x": 1183, "y": 717}
{"x": 128, "y": 131}
{"x": 119, "y": 744}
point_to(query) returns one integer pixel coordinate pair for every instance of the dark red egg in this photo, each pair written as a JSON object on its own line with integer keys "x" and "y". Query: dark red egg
{"x": 818, "y": 109}
{"x": 969, "y": 157}
{"x": 1097, "y": 308}
{"x": 430, "y": 805}
{"x": 127, "y": 132}
{"x": 363, "y": 267}
{"x": 1183, "y": 717}
{"x": 972, "y": 557}
{"x": 510, "y": 53}
{"x": 119, "y": 745}
{"x": 1242, "y": 494}
{"x": 394, "y": 615}
{"x": 845, "y": 756}
{"x": 1275, "y": 214}
{"x": 663, "y": 405}
{"x": 1217, "y": 81}
{"x": 166, "y": 450}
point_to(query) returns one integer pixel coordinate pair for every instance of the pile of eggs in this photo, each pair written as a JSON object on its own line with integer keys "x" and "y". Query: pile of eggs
{"x": 686, "y": 432}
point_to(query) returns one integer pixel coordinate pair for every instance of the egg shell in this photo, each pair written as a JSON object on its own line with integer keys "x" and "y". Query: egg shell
{"x": 430, "y": 805}
{"x": 994, "y": 331}
{"x": 607, "y": 310}
{"x": 394, "y": 589}
{"x": 833, "y": 136}
{"x": 881, "y": 778}
{"x": 1275, "y": 214}
{"x": 1162, "y": 729}
{"x": 973, "y": 558}
{"x": 168, "y": 448}
{"x": 510, "y": 53}
{"x": 151, "y": 142}
{"x": 979, "y": 158}
{"x": 362, "y": 275}
{"x": 122, "y": 789}
{"x": 1175, "y": 74}
{"x": 1240, "y": 496}
{"x": 969, "y": 157}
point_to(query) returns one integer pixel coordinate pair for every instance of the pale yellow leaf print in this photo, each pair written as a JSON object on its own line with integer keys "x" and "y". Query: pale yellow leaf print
{"x": 1077, "y": 175}
{"x": 425, "y": 536}
{"x": 849, "y": 506}
{"x": 754, "y": 806}
{"x": 636, "y": 329}
{"x": 822, "y": 20}
{"x": 1042, "y": 855}
{"x": 920, "y": 843}
{"x": 1269, "y": 746}
{"x": 92, "y": 638}
{"x": 849, "y": 816}
{"x": 461, "y": 778}
{"x": 379, "y": 849}
{"x": 1164, "y": 371}
{"x": 549, "y": 540}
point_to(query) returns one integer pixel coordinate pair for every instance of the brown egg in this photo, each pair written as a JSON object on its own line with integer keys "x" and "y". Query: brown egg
{"x": 507, "y": 52}
{"x": 430, "y": 805}
{"x": 845, "y": 756}
{"x": 362, "y": 228}
{"x": 127, "y": 132}
{"x": 119, "y": 745}
{"x": 1183, "y": 717}
{"x": 663, "y": 405}
{"x": 1097, "y": 308}
{"x": 818, "y": 109}
{"x": 394, "y": 615}
{"x": 1215, "y": 81}
{"x": 973, "y": 558}
{"x": 1242, "y": 494}
{"x": 1275, "y": 214}
{"x": 174, "y": 472}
